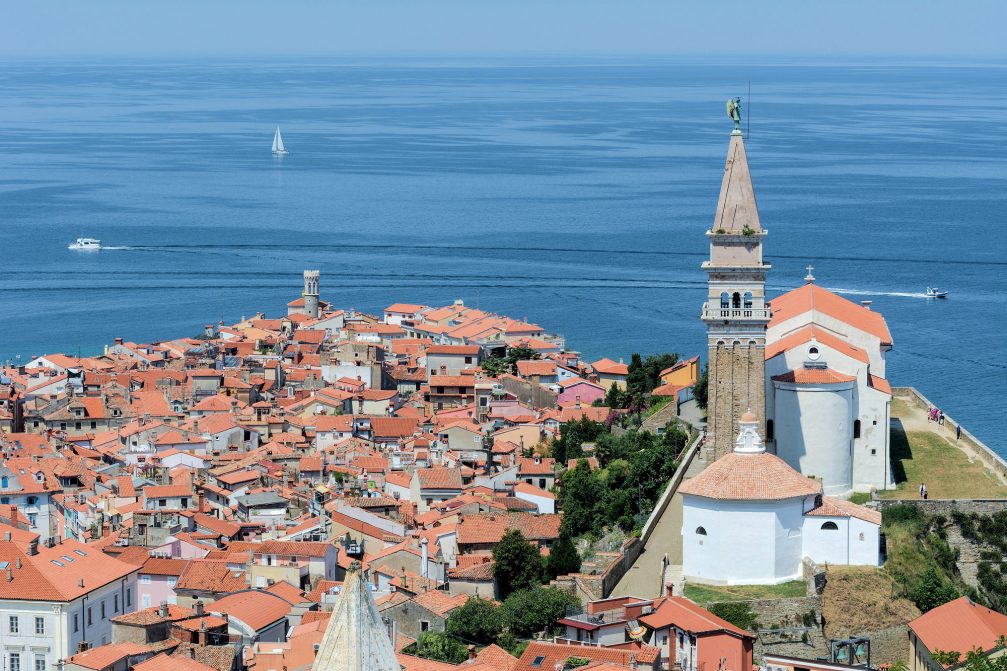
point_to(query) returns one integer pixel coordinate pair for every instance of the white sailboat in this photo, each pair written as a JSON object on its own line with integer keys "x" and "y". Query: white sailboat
{"x": 278, "y": 149}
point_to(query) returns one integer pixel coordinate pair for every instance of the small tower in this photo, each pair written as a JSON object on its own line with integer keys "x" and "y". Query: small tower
{"x": 310, "y": 293}
{"x": 736, "y": 312}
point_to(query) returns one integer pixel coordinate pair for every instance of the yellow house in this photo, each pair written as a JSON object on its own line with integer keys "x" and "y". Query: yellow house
{"x": 682, "y": 374}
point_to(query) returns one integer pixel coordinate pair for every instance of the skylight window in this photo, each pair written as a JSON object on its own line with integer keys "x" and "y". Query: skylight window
{"x": 4, "y": 564}
{"x": 57, "y": 563}
{"x": 80, "y": 552}
{"x": 69, "y": 559}
{"x": 538, "y": 661}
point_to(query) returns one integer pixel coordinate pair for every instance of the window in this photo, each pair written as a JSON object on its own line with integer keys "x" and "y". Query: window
{"x": 115, "y": 603}
{"x": 537, "y": 662}
{"x": 31, "y": 519}
{"x": 770, "y": 432}
{"x": 172, "y": 581}
{"x": 814, "y": 353}
{"x": 830, "y": 526}
{"x": 725, "y": 301}
{"x": 15, "y": 662}
{"x": 701, "y": 531}
{"x": 468, "y": 359}
{"x": 4, "y": 482}
{"x": 144, "y": 601}
{"x": 39, "y": 662}
{"x": 90, "y": 619}
{"x": 541, "y": 483}
{"x": 736, "y": 300}
{"x": 5, "y": 500}
{"x": 856, "y": 428}
{"x": 13, "y": 624}
{"x": 145, "y": 579}
{"x": 76, "y": 623}
{"x": 32, "y": 500}
{"x": 748, "y": 300}
{"x": 129, "y": 597}
{"x": 424, "y": 625}
{"x": 40, "y": 626}
{"x": 162, "y": 502}
{"x": 103, "y": 610}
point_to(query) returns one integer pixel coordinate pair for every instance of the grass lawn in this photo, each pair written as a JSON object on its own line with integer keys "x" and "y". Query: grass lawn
{"x": 710, "y": 593}
{"x": 921, "y": 456}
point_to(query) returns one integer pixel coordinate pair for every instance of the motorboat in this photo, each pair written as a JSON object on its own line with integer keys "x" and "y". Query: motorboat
{"x": 85, "y": 245}
{"x": 934, "y": 292}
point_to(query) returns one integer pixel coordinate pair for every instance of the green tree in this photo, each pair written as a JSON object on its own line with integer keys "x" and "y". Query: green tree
{"x": 517, "y": 564}
{"x": 645, "y": 374}
{"x": 932, "y": 590}
{"x": 495, "y": 365}
{"x": 441, "y": 648}
{"x": 572, "y": 436}
{"x": 975, "y": 659}
{"x": 615, "y": 397}
{"x": 563, "y": 558}
{"x": 581, "y": 498}
{"x": 700, "y": 390}
{"x": 478, "y": 621}
{"x": 533, "y": 610}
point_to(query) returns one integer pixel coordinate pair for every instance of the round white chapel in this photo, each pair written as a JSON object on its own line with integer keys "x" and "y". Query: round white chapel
{"x": 750, "y": 519}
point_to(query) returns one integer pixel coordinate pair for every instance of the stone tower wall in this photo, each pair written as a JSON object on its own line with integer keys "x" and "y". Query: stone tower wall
{"x": 310, "y": 292}
{"x": 736, "y": 384}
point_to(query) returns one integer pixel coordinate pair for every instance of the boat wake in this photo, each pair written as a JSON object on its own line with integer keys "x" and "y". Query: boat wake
{"x": 864, "y": 292}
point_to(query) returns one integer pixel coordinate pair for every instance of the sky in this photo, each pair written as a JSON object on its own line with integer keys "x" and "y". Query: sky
{"x": 914, "y": 29}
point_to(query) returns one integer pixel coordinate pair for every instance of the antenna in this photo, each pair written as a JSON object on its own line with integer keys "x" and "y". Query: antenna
{"x": 748, "y": 117}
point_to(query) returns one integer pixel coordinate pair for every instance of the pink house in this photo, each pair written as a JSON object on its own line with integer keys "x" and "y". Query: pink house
{"x": 579, "y": 389}
{"x": 156, "y": 581}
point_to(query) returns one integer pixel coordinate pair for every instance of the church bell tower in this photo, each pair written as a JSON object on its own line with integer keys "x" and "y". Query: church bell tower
{"x": 736, "y": 313}
{"x": 310, "y": 293}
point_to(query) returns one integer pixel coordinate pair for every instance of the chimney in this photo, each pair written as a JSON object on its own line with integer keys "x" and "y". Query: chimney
{"x": 10, "y": 574}
{"x": 315, "y": 648}
{"x": 201, "y": 635}
{"x": 163, "y": 611}
{"x": 577, "y": 405}
{"x": 118, "y": 341}
{"x": 472, "y": 654}
{"x": 33, "y": 547}
{"x": 17, "y": 563}
{"x": 6, "y": 536}
{"x": 866, "y": 304}
{"x": 80, "y": 583}
{"x": 424, "y": 557}
{"x": 632, "y": 660}
{"x": 198, "y": 607}
{"x": 192, "y": 653}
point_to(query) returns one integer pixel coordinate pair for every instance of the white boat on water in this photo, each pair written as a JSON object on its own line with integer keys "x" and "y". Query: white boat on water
{"x": 278, "y": 148}
{"x": 934, "y": 292}
{"x": 85, "y": 244}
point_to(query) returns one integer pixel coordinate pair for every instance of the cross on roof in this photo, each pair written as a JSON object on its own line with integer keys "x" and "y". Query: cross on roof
{"x": 809, "y": 278}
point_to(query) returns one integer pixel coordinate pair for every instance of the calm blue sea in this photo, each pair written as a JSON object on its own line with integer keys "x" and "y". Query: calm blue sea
{"x": 573, "y": 194}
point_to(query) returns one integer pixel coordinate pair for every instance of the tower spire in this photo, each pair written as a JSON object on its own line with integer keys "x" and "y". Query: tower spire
{"x": 736, "y": 312}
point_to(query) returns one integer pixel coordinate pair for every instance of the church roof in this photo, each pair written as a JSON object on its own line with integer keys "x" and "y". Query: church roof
{"x": 736, "y": 208}
{"x": 750, "y": 477}
{"x": 812, "y": 297}
{"x": 355, "y": 637}
{"x": 813, "y": 376}
{"x": 832, "y": 507}
{"x": 809, "y": 333}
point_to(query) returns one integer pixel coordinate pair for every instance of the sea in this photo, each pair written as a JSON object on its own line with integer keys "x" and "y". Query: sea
{"x": 574, "y": 193}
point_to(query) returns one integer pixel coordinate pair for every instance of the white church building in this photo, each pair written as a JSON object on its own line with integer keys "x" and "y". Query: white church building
{"x": 750, "y": 518}
{"x": 827, "y": 398}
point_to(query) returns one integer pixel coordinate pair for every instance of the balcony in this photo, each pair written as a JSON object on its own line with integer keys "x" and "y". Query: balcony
{"x": 617, "y": 616}
{"x": 736, "y": 313}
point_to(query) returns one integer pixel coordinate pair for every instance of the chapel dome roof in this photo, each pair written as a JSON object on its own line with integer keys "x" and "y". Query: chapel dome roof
{"x": 759, "y": 476}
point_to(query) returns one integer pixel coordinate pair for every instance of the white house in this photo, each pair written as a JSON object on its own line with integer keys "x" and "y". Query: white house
{"x": 749, "y": 518}
{"x": 53, "y": 600}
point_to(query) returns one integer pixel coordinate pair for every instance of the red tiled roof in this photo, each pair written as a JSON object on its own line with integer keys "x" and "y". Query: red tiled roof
{"x": 255, "y": 608}
{"x": 609, "y": 367}
{"x": 63, "y": 572}
{"x": 107, "y": 655}
{"x": 813, "y": 376}
{"x": 806, "y": 334}
{"x": 832, "y": 507}
{"x": 553, "y": 653}
{"x": 163, "y": 662}
{"x": 760, "y": 476}
{"x": 960, "y": 626}
{"x": 439, "y": 478}
{"x": 813, "y": 297}
{"x": 686, "y": 615}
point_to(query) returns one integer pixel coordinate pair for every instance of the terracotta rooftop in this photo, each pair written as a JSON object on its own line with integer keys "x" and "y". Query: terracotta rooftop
{"x": 960, "y": 626}
{"x": 813, "y": 376}
{"x": 742, "y": 477}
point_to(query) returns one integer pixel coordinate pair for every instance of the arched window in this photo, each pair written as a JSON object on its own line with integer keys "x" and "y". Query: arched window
{"x": 725, "y": 300}
{"x": 736, "y": 300}
{"x": 830, "y": 526}
{"x": 856, "y": 428}
{"x": 701, "y": 531}
{"x": 770, "y": 434}
{"x": 748, "y": 300}
{"x": 813, "y": 353}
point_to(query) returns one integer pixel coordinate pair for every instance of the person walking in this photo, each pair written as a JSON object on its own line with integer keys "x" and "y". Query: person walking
{"x": 940, "y": 418}
{"x": 926, "y": 494}
{"x": 958, "y": 432}
{"x": 923, "y": 488}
